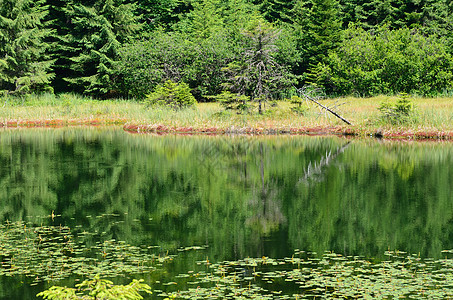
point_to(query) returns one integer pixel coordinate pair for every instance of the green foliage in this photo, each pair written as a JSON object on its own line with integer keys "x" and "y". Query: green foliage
{"x": 236, "y": 102}
{"x": 127, "y": 47}
{"x": 24, "y": 63}
{"x": 98, "y": 288}
{"x": 386, "y": 62}
{"x": 258, "y": 75}
{"x": 276, "y": 10}
{"x": 161, "y": 13}
{"x": 205, "y": 18}
{"x": 95, "y": 34}
{"x": 171, "y": 94}
{"x": 318, "y": 26}
{"x": 399, "y": 112}
{"x": 175, "y": 56}
{"x": 429, "y": 16}
{"x": 298, "y": 107}
{"x": 145, "y": 64}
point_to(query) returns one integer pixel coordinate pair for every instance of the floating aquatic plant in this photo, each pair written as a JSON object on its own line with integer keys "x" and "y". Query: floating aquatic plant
{"x": 50, "y": 253}
{"x": 304, "y": 276}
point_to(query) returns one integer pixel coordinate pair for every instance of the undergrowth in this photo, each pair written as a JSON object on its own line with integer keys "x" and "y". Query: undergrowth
{"x": 367, "y": 114}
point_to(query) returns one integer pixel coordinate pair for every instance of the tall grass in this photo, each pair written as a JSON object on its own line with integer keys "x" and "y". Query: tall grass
{"x": 363, "y": 113}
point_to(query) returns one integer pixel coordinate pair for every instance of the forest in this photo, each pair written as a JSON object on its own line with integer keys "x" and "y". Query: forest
{"x": 256, "y": 48}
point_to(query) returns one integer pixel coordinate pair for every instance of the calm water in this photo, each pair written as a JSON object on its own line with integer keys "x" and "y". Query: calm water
{"x": 235, "y": 197}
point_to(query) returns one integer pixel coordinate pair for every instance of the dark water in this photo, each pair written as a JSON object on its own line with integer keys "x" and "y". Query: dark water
{"x": 239, "y": 196}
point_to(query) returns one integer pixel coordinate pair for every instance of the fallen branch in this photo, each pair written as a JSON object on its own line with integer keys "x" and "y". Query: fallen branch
{"x": 306, "y": 94}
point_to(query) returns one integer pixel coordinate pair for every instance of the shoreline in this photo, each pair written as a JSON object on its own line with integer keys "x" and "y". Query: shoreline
{"x": 338, "y": 130}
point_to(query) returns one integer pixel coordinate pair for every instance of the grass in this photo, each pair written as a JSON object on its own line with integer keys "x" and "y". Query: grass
{"x": 432, "y": 118}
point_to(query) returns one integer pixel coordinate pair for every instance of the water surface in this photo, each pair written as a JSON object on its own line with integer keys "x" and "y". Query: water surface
{"x": 234, "y": 196}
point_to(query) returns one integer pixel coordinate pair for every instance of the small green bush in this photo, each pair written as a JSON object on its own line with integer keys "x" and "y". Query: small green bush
{"x": 386, "y": 62}
{"x": 399, "y": 112}
{"x": 235, "y": 102}
{"x": 171, "y": 94}
{"x": 298, "y": 107}
{"x": 97, "y": 288}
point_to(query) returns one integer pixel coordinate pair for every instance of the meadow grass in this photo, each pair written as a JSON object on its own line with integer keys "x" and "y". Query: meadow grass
{"x": 430, "y": 114}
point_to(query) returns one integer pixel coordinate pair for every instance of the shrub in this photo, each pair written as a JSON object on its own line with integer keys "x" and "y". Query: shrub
{"x": 399, "y": 112}
{"x": 97, "y": 288}
{"x": 298, "y": 108}
{"x": 171, "y": 94}
{"x": 387, "y": 62}
{"x": 175, "y": 56}
{"x": 236, "y": 102}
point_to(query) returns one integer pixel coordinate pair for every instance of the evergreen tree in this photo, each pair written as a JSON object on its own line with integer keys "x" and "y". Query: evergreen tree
{"x": 319, "y": 27}
{"x": 276, "y": 10}
{"x": 437, "y": 17}
{"x": 258, "y": 75}
{"x": 161, "y": 13}
{"x": 430, "y": 16}
{"x": 205, "y": 18}
{"x": 59, "y": 52}
{"x": 239, "y": 15}
{"x": 96, "y": 32}
{"x": 24, "y": 64}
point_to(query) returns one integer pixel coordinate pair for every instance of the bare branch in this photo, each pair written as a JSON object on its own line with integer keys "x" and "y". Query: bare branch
{"x": 314, "y": 95}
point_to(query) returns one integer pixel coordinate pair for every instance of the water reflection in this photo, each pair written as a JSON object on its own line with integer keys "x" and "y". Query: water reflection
{"x": 241, "y": 196}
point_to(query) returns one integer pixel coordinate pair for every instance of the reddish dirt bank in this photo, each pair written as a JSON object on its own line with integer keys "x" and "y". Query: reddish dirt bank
{"x": 396, "y": 133}
{"x": 59, "y": 123}
{"x": 319, "y": 130}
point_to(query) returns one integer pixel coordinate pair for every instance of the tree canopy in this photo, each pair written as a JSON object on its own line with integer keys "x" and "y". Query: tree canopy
{"x": 127, "y": 48}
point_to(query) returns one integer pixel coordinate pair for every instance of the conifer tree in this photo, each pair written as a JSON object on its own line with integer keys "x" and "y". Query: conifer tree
{"x": 205, "y": 18}
{"x": 239, "y": 15}
{"x": 430, "y": 16}
{"x": 24, "y": 64}
{"x": 257, "y": 74}
{"x": 96, "y": 31}
{"x": 161, "y": 13}
{"x": 58, "y": 50}
{"x": 276, "y": 10}
{"x": 319, "y": 27}
{"x": 436, "y": 17}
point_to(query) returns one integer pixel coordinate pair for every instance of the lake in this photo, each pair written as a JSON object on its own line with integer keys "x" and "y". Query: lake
{"x": 226, "y": 216}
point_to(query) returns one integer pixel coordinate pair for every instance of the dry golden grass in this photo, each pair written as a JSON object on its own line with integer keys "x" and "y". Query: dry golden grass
{"x": 430, "y": 115}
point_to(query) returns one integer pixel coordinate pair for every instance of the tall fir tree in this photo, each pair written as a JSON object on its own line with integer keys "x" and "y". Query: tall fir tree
{"x": 318, "y": 24}
{"x": 437, "y": 17}
{"x": 276, "y": 10}
{"x": 430, "y": 16}
{"x": 96, "y": 31}
{"x": 58, "y": 50}
{"x": 25, "y": 66}
{"x": 240, "y": 14}
{"x": 205, "y": 18}
{"x": 161, "y": 13}
{"x": 257, "y": 74}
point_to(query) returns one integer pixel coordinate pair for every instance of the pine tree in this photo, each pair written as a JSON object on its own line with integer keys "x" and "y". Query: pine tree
{"x": 436, "y": 17}
{"x": 57, "y": 21}
{"x": 96, "y": 31}
{"x": 205, "y": 18}
{"x": 319, "y": 27}
{"x": 161, "y": 13}
{"x": 24, "y": 64}
{"x": 276, "y": 10}
{"x": 239, "y": 15}
{"x": 430, "y": 16}
{"x": 258, "y": 75}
